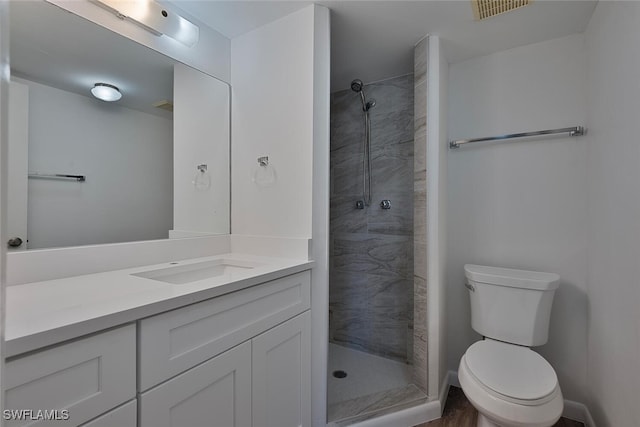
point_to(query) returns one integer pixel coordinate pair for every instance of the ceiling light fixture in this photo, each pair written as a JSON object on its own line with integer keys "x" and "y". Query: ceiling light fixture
{"x": 154, "y": 18}
{"x": 106, "y": 92}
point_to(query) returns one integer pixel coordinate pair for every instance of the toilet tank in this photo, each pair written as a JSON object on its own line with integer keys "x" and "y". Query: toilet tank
{"x": 509, "y": 305}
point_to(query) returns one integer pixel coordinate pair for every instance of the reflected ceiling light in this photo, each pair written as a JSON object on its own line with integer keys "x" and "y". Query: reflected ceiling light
{"x": 154, "y": 18}
{"x": 106, "y": 92}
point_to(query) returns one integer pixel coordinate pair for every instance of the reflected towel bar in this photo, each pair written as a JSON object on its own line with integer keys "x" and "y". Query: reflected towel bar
{"x": 572, "y": 131}
{"x": 62, "y": 176}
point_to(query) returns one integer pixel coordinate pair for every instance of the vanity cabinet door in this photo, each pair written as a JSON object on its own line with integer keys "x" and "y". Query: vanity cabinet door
{"x": 216, "y": 393}
{"x": 282, "y": 375}
{"x": 124, "y": 416}
{"x": 87, "y": 377}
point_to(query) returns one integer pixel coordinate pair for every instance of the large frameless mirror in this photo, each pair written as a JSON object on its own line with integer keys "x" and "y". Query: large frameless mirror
{"x": 151, "y": 165}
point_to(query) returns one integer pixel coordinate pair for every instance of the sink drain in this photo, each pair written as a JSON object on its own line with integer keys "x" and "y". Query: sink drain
{"x": 339, "y": 374}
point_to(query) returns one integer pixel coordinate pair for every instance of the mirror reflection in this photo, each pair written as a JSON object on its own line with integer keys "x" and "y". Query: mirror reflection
{"x": 150, "y": 161}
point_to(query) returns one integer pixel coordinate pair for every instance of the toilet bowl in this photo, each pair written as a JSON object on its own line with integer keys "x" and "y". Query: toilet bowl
{"x": 508, "y": 383}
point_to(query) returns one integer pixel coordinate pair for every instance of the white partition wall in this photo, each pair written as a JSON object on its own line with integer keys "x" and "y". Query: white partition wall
{"x": 436, "y": 215}
{"x": 320, "y": 205}
{"x": 280, "y": 109}
{"x": 272, "y": 115}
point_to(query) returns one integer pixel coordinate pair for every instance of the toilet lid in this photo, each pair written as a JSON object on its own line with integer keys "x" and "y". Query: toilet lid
{"x": 511, "y": 370}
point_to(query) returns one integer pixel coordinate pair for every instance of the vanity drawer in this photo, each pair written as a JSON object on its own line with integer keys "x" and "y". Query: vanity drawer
{"x": 173, "y": 342}
{"x": 87, "y": 377}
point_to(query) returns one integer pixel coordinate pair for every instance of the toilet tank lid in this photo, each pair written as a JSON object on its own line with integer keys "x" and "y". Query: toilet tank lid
{"x": 512, "y": 278}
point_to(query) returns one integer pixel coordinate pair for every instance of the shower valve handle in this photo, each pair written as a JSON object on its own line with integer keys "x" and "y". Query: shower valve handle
{"x": 385, "y": 204}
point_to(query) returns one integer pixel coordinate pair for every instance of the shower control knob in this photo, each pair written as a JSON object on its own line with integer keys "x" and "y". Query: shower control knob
{"x": 360, "y": 204}
{"x": 385, "y": 204}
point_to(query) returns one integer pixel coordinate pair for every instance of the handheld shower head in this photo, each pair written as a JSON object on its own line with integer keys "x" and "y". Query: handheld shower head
{"x": 357, "y": 87}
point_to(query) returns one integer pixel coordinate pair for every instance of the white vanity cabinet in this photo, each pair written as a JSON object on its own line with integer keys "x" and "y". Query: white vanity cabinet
{"x": 124, "y": 416}
{"x": 242, "y": 359}
{"x": 172, "y": 342}
{"x": 87, "y": 377}
{"x": 216, "y": 393}
{"x": 281, "y": 372}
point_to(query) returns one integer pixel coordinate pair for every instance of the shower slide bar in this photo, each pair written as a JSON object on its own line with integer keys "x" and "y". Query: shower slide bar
{"x": 572, "y": 131}
{"x": 61, "y": 176}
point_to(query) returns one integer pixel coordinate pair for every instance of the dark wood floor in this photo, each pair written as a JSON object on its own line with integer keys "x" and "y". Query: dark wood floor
{"x": 458, "y": 412}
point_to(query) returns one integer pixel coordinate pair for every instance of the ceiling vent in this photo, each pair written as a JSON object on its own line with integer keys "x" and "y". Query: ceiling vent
{"x": 164, "y": 105}
{"x": 483, "y": 9}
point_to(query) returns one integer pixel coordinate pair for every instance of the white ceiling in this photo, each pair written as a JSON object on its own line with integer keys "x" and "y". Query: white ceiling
{"x": 370, "y": 40}
{"x": 373, "y": 40}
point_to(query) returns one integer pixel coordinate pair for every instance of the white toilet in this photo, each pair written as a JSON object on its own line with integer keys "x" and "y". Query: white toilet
{"x": 507, "y": 382}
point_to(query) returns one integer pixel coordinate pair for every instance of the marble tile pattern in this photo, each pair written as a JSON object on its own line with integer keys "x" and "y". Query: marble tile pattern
{"x": 420, "y": 355}
{"x": 458, "y": 412}
{"x": 371, "y": 250}
{"x": 374, "y": 405}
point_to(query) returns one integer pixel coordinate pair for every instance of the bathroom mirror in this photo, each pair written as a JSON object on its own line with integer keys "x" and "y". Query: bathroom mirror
{"x": 152, "y": 165}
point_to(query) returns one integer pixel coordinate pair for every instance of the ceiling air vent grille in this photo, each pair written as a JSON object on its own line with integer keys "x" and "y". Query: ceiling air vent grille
{"x": 483, "y": 9}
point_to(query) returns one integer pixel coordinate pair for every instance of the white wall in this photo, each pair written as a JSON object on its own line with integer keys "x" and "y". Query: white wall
{"x": 320, "y": 231}
{"x": 210, "y": 54}
{"x": 126, "y": 156}
{"x": 612, "y": 40}
{"x": 436, "y": 214}
{"x": 521, "y": 204}
{"x": 4, "y": 145}
{"x": 272, "y": 115}
{"x": 18, "y": 166}
{"x": 200, "y": 136}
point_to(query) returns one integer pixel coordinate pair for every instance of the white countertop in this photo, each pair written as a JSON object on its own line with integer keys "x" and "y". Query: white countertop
{"x": 44, "y": 313}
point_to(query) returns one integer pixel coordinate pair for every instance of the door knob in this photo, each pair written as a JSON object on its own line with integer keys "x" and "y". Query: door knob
{"x": 15, "y": 242}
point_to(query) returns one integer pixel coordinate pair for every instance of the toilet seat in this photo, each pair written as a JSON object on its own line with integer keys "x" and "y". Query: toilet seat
{"x": 492, "y": 400}
{"x": 515, "y": 373}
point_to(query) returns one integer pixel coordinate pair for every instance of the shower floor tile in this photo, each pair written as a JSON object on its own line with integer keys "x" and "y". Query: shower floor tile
{"x": 366, "y": 374}
{"x": 374, "y": 405}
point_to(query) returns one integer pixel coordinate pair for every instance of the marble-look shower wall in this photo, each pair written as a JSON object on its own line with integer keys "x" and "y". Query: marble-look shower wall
{"x": 420, "y": 356}
{"x": 371, "y": 270}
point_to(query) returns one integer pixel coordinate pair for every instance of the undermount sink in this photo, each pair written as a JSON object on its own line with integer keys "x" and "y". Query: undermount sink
{"x": 181, "y": 274}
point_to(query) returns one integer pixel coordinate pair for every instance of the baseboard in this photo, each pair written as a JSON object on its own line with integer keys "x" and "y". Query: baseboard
{"x": 444, "y": 391}
{"x": 578, "y": 412}
{"x": 573, "y": 410}
{"x": 453, "y": 379}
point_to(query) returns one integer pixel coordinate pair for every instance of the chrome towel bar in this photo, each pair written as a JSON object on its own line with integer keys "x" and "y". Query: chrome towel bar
{"x": 61, "y": 176}
{"x": 572, "y": 131}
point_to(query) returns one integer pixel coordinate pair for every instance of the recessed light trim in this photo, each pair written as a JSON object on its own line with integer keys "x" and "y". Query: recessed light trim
{"x": 106, "y": 92}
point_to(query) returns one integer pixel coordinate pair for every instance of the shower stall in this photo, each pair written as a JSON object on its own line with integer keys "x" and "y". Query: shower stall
{"x": 373, "y": 343}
